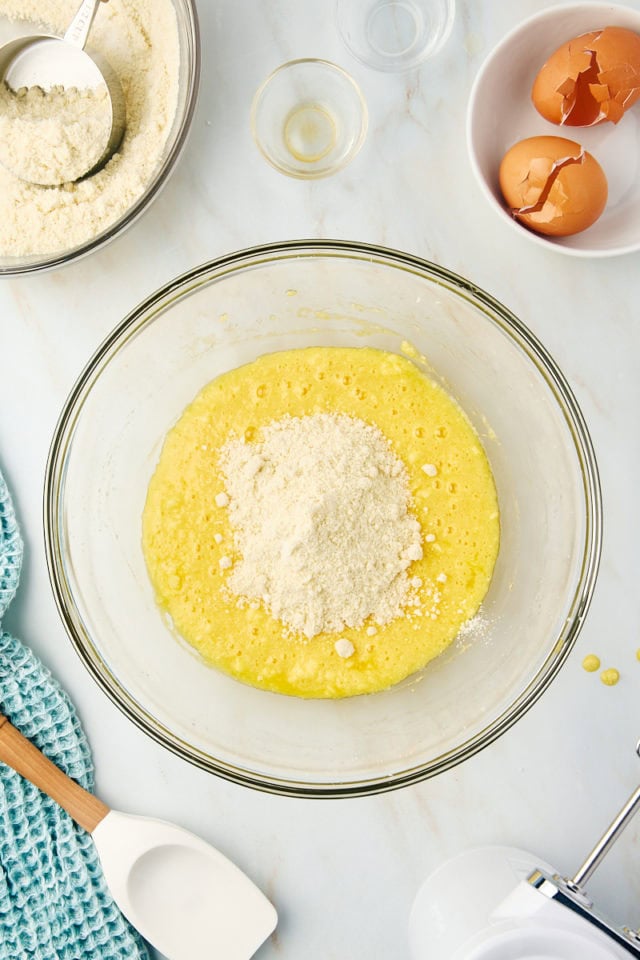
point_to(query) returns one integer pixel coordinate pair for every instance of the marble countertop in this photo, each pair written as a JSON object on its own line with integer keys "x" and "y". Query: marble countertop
{"x": 343, "y": 874}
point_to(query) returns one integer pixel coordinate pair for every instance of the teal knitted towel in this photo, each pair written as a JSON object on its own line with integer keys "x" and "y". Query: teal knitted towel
{"x": 54, "y": 903}
{"x": 10, "y": 549}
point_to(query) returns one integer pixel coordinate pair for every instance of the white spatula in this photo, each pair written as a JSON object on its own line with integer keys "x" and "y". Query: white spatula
{"x": 183, "y": 896}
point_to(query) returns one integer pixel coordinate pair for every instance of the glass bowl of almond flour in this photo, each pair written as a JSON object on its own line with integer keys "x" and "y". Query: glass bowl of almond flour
{"x": 319, "y": 294}
{"x": 154, "y": 47}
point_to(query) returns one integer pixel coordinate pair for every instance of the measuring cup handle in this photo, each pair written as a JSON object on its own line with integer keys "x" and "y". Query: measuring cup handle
{"x": 79, "y": 27}
{"x": 25, "y": 758}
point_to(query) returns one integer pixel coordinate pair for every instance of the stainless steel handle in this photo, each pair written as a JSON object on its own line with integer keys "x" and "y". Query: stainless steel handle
{"x": 608, "y": 838}
{"x": 78, "y": 31}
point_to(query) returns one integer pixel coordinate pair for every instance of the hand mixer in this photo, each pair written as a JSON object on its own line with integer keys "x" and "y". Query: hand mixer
{"x": 500, "y": 903}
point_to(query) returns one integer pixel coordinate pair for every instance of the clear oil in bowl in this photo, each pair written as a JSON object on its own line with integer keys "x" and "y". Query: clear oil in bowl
{"x": 310, "y": 132}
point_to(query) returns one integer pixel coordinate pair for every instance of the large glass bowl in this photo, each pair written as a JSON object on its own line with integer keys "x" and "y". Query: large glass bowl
{"x": 188, "y": 83}
{"x": 286, "y": 295}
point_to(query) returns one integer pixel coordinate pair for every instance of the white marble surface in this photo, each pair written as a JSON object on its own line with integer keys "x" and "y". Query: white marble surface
{"x": 343, "y": 873}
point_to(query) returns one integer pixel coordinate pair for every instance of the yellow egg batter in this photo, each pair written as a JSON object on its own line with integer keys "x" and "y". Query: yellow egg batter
{"x": 186, "y": 533}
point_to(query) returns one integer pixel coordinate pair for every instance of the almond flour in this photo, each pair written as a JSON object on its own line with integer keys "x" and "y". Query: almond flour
{"x": 320, "y": 511}
{"x": 55, "y": 136}
{"x": 139, "y": 38}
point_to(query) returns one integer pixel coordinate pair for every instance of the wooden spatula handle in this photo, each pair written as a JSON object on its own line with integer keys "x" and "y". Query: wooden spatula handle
{"x": 25, "y": 758}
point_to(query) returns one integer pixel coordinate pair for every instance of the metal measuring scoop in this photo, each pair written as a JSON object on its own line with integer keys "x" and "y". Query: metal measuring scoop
{"x": 50, "y": 63}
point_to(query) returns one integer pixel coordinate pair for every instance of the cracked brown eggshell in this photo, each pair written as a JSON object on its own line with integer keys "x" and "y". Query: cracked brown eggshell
{"x": 552, "y": 185}
{"x": 590, "y": 79}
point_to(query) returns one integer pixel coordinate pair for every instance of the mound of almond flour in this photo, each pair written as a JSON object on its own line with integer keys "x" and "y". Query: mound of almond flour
{"x": 53, "y": 136}
{"x": 320, "y": 513}
{"x": 140, "y": 40}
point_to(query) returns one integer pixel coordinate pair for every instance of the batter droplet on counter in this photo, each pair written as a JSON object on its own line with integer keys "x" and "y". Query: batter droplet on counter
{"x": 591, "y": 663}
{"x": 610, "y": 677}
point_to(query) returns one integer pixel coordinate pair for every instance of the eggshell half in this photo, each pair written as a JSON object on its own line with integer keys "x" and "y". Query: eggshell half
{"x": 552, "y": 185}
{"x": 590, "y": 79}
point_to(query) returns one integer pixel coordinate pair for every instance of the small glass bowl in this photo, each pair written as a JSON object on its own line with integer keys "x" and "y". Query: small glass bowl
{"x": 309, "y": 118}
{"x": 394, "y": 35}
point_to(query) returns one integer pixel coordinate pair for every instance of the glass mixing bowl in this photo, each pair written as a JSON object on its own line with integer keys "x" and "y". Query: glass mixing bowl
{"x": 287, "y": 295}
{"x": 188, "y": 81}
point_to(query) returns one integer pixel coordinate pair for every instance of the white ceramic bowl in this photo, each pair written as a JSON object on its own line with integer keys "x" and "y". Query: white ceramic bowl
{"x": 501, "y": 112}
